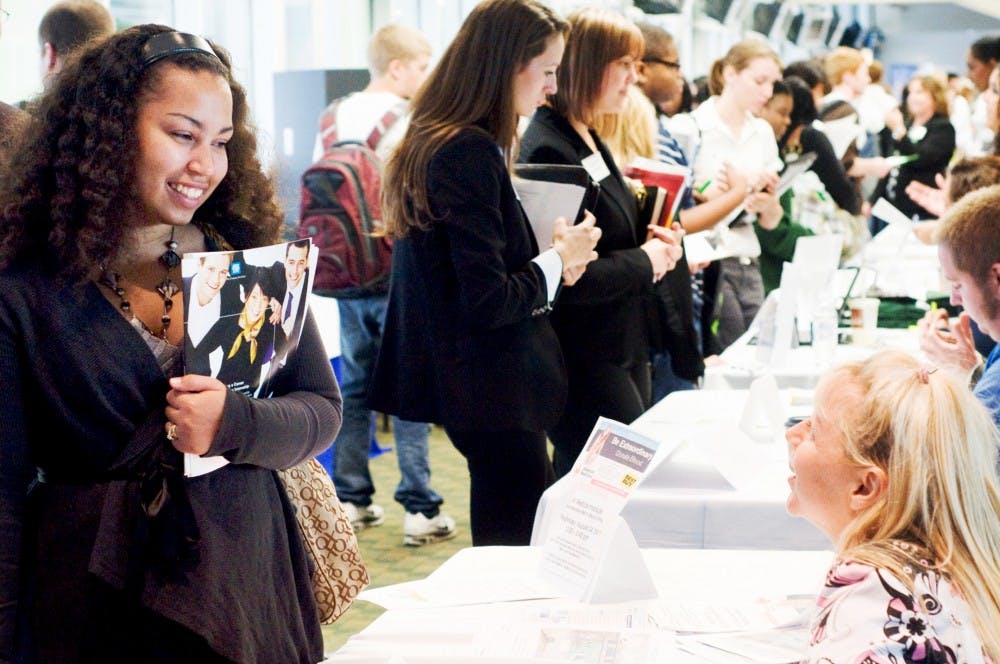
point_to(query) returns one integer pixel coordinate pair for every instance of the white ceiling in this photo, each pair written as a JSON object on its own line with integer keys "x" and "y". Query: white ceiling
{"x": 987, "y": 7}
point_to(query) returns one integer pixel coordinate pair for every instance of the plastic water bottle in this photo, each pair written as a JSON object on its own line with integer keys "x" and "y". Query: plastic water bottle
{"x": 824, "y": 333}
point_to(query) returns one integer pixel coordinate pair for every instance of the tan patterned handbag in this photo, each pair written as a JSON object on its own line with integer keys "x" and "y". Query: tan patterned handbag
{"x": 338, "y": 573}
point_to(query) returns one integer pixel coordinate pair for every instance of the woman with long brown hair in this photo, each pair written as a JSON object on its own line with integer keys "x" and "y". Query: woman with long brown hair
{"x": 468, "y": 341}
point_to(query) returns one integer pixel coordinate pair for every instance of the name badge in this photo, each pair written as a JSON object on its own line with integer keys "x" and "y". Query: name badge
{"x": 595, "y": 167}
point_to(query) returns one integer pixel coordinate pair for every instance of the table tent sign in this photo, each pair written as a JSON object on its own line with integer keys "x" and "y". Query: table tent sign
{"x": 589, "y": 552}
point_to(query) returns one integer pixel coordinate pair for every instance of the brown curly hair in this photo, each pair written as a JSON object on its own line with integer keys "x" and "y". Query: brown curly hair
{"x": 63, "y": 201}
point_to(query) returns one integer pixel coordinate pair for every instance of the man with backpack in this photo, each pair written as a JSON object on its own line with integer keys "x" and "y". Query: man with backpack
{"x": 372, "y": 121}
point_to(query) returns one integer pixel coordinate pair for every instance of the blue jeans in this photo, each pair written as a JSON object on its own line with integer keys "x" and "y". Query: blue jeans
{"x": 665, "y": 380}
{"x": 361, "y": 323}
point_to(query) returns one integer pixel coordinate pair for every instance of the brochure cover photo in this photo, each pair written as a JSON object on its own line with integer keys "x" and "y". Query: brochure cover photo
{"x": 243, "y": 312}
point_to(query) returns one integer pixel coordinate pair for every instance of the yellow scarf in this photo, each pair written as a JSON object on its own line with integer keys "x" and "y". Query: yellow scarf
{"x": 249, "y": 332}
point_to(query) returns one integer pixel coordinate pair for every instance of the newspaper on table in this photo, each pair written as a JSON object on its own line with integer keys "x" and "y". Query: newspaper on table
{"x": 243, "y": 317}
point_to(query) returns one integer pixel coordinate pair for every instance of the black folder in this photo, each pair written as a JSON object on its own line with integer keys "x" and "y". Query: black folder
{"x": 566, "y": 174}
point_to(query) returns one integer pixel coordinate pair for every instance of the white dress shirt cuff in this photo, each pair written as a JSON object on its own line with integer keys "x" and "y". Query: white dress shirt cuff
{"x": 551, "y": 264}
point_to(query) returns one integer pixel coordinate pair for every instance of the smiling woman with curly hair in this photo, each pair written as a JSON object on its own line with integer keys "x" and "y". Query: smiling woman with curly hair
{"x": 141, "y": 151}
{"x": 74, "y": 179}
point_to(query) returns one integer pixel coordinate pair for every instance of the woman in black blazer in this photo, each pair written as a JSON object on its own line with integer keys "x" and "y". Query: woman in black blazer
{"x": 602, "y": 321}
{"x": 929, "y": 137}
{"x": 467, "y": 339}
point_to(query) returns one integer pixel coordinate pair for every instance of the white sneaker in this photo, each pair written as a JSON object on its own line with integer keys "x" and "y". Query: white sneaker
{"x": 366, "y": 516}
{"x": 419, "y": 530}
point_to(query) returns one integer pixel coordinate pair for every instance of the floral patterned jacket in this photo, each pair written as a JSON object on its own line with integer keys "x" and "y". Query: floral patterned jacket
{"x": 865, "y": 615}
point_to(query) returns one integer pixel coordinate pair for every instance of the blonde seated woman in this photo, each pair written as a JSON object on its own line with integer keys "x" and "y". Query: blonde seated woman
{"x": 898, "y": 467}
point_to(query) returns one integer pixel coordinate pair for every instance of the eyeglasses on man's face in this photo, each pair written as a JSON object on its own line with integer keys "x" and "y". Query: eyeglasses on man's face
{"x": 666, "y": 63}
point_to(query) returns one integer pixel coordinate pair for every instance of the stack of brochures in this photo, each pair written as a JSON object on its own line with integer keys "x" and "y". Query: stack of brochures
{"x": 665, "y": 185}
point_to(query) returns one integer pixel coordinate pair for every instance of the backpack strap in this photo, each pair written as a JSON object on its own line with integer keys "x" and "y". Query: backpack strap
{"x": 328, "y": 124}
{"x": 383, "y": 125}
{"x": 835, "y": 110}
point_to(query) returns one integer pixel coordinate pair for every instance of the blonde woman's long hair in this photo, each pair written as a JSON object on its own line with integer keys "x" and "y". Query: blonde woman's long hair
{"x": 631, "y": 133}
{"x": 939, "y": 448}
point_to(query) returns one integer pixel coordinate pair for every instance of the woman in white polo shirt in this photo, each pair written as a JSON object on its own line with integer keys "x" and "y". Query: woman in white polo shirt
{"x": 725, "y": 131}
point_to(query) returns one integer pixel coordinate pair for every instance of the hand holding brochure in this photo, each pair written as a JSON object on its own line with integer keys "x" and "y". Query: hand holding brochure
{"x": 243, "y": 316}
{"x": 549, "y": 191}
{"x": 794, "y": 169}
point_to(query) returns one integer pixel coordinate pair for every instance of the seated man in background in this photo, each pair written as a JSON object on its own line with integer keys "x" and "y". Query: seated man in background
{"x": 969, "y": 249}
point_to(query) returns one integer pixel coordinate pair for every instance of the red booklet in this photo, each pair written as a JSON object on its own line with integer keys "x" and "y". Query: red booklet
{"x": 668, "y": 182}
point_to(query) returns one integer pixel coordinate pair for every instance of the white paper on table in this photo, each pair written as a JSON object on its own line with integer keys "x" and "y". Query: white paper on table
{"x": 593, "y": 646}
{"x": 449, "y": 586}
{"x": 406, "y": 595}
{"x": 614, "y": 616}
{"x": 776, "y": 646}
{"x": 544, "y": 202}
{"x": 547, "y": 643}
{"x": 719, "y": 617}
{"x": 579, "y": 536}
{"x": 487, "y": 588}
{"x": 889, "y": 213}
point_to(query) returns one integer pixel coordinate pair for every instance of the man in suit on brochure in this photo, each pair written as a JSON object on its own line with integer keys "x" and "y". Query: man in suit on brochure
{"x": 207, "y": 300}
{"x": 293, "y": 274}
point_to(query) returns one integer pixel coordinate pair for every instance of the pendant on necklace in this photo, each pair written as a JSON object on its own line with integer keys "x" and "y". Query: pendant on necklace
{"x": 170, "y": 258}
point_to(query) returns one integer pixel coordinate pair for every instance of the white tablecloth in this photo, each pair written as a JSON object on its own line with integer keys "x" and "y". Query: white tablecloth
{"x": 426, "y": 632}
{"x": 739, "y": 365}
{"x": 686, "y": 502}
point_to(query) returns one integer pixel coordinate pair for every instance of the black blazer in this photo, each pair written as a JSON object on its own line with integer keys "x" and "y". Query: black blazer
{"x": 830, "y": 170}
{"x": 82, "y": 391}
{"x": 933, "y": 152}
{"x": 605, "y": 315}
{"x": 283, "y": 344}
{"x": 467, "y": 341}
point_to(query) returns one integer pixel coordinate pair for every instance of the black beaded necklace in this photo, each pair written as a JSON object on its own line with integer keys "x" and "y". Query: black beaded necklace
{"x": 167, "y": 288}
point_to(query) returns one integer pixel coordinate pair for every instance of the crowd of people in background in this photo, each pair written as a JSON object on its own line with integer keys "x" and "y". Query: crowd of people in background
{"x": 142, "y": 140}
